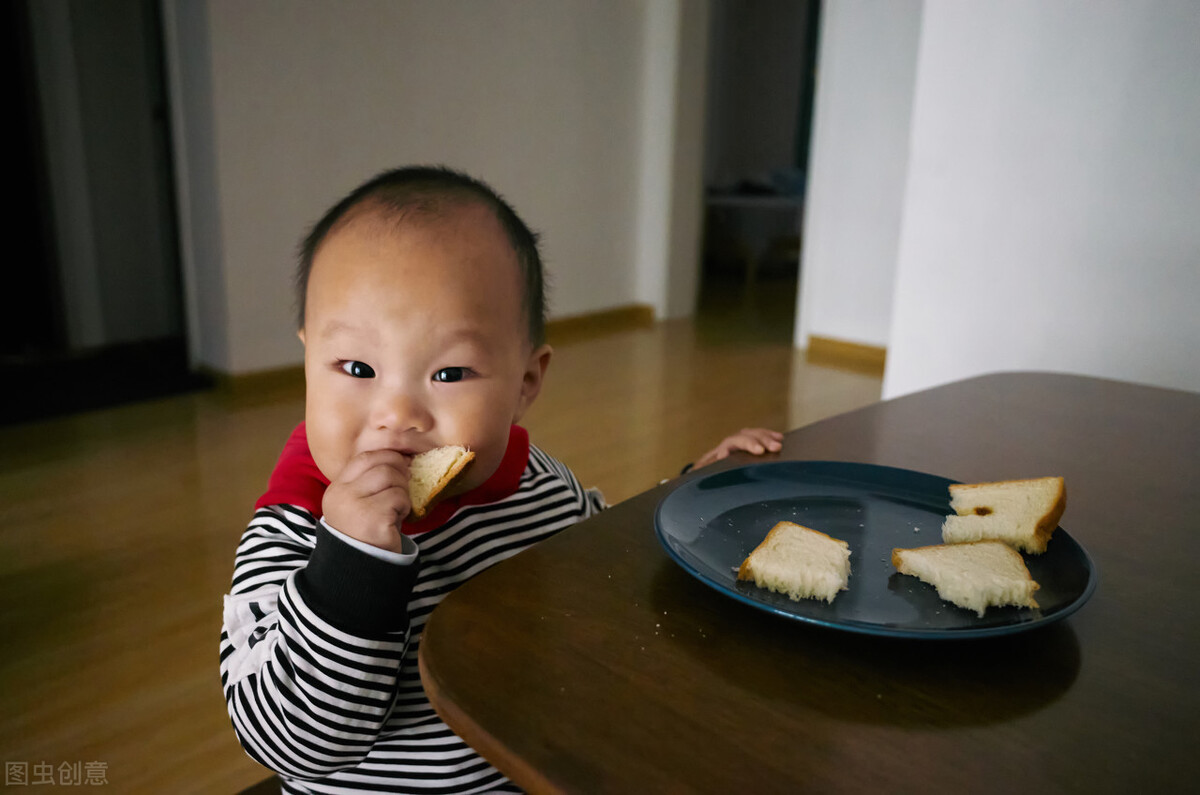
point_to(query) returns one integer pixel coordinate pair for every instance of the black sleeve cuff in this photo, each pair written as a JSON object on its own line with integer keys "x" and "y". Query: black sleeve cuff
{"x": 354, "y": 591}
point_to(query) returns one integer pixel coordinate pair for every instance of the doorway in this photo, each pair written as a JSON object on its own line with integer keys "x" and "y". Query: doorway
{"x": 94, "y": 316}
{"x": 762, "y": 73}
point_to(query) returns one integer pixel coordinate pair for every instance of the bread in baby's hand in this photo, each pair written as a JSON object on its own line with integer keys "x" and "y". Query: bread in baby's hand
{"x": 799, "y": 562}
{"x": 431, "y": 472}
{"x": 974, "y": 575}
{"x": 1021, "y": 513}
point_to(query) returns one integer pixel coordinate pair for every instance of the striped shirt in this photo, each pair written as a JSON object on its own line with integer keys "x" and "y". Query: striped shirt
{"x": 320, "y": 670}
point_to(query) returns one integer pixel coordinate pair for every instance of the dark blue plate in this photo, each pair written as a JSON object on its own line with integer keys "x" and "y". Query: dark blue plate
{"x": 709, "y": 524}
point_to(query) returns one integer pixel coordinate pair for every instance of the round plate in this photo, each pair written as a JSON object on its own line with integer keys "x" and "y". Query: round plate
{"x": 710, "y": 523}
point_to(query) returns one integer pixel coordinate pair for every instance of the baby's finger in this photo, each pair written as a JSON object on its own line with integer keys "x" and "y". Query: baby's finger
{"x": 745, "y": 441}
{"x": 373, "y": 518}
{"x": 391, "y": 504}
{"x": 362, "y": 463}
{"x": 750, "y": 445}
{"x": 764, "y": 439}
{"x": 378, "y": 479}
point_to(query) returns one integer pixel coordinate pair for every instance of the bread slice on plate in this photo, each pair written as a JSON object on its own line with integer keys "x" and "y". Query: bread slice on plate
{"x": 798, "y": 562}
{"x": 431, "y": 472}
{"x": 975, "y": 575}
{"x": 1021, "y": 513}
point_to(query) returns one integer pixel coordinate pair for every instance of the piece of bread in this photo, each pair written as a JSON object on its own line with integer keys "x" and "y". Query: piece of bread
{"x": 1021, "y": 513}
{"x": 431, "y": 472}
{"x": 799, "y": 562}
{"x": 974, "y": 575}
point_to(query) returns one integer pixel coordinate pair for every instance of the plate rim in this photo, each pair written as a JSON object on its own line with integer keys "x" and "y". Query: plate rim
{"x": 861, "y": 627}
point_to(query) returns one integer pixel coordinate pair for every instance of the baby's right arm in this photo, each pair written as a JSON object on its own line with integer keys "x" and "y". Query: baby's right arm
{"x": 311, "y": 645}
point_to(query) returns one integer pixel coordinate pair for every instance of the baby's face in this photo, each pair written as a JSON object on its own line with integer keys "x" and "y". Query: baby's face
{"x": 415, "y": 338}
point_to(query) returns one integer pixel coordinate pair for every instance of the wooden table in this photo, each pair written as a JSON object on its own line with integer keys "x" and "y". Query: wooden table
{"x": 594, "y": 663}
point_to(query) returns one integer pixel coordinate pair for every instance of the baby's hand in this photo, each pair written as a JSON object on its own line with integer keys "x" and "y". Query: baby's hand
{"x": 751, "y": 440}
{"x": 369, "y": 499}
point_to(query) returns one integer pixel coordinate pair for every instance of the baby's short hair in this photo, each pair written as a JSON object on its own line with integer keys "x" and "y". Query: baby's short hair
{"x": 433, "y": 191}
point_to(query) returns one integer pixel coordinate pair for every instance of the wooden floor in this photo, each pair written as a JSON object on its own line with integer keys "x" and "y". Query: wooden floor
{"x": 117, "y": 528}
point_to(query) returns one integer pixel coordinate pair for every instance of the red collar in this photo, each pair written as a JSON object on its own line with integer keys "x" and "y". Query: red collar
{"x": 297, "y": 481}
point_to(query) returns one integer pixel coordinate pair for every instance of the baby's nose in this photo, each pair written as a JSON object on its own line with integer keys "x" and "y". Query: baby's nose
{"x": 397, "y": 410}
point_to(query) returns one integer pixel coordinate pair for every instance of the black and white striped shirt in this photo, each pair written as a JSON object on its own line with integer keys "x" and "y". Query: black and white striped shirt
{"x": 319, "y": 654}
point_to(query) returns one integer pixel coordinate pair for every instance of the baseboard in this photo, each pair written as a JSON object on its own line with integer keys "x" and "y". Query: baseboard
{"x": 259, "y": 381}
{"x": 851, "y": 355}
{"x": 595, "y": 324}
{"x": 57, "y": 383}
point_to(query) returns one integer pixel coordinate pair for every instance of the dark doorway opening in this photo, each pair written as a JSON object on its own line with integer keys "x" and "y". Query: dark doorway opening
{"x": 762, "y": 73}
{"x": 94, "y": 313}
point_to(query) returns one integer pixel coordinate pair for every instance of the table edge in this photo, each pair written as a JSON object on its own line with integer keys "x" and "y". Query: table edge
{"x": 485, "y": 744}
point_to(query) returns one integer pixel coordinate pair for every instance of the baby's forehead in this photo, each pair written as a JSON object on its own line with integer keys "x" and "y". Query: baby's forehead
{"x": 382, "y": 216}
{"x": 375, "y": 243}
{"x": 374, "y": 229}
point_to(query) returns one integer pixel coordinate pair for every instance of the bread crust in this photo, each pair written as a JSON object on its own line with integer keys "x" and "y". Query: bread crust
{"x": 896, "y": 556}
{"x": 1050, "y": 521}
{"x": 1046, "y": 525}
{"x": 459, "y": 466}
{"x": 744, "y": 569}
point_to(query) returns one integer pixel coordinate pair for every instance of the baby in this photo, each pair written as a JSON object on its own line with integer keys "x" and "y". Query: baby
{"x": 422, "y": 317}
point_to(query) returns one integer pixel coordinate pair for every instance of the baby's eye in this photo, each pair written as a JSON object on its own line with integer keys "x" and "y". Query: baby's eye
{"x": 358, "y": 370}
{"x": 449, "y": 375}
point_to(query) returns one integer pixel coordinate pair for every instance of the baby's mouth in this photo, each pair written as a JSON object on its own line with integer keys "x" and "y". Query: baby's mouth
{"x": 407, "y": 452}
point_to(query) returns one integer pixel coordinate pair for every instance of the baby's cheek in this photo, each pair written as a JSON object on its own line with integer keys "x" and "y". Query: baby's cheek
{"x": 327, "y": 455}
{"x": 328, "y": 467}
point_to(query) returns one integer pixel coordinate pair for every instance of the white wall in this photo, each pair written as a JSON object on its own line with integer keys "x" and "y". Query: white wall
{"x": 685, "y": 192}
{"x": 1051, "y": 218}
{"x": 865, "y": 76}
{"x": 541, "y": 98}
{"x": 670, "y": 192}
{"x": 201, "y": 242}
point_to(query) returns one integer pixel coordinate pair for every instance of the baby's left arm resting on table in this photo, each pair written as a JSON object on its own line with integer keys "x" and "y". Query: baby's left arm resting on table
{"x": 756, "y": 441}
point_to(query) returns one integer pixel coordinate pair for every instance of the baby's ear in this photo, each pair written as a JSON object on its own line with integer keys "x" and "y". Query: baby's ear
{"x": 531, "y": 381}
